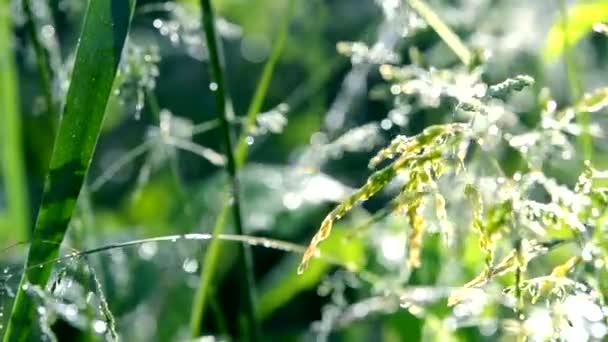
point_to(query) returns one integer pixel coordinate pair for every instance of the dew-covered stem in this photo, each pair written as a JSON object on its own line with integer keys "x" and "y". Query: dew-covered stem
{"x": 211, "y": 258}
{"x": 247, "y": 287}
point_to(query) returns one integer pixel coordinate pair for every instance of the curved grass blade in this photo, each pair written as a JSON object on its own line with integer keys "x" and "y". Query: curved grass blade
{"x": 10, "y": 131}
{"x": 210, "y": 261}
{"x": 581, "y": 18}
{"x": 101, "y": 41}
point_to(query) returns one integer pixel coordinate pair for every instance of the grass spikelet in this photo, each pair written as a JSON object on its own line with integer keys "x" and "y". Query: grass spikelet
{"x": 593, "y": 102}
{"x": 516, "y": 259}
{"x": 559, "y": 272}
{"x": 485, "y": 240}
{"x": 388, "y": 152}
{"x": 442, "y": 216}
{"x": 507, "y": 264}
{"x": 418, "y": 226}
{"x": 415, "y": 152}
{"x": 517, "y": 83}
{"x": 374, "y": 184}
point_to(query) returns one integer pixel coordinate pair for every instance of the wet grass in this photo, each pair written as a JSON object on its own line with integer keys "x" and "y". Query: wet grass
{"x": 101, "y": 41}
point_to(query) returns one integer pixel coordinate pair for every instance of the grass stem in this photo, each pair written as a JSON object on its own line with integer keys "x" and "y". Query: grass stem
{"x": 247, "y": 287}
{"x": 443, "y": 30}
{"x": 575, "y": 84}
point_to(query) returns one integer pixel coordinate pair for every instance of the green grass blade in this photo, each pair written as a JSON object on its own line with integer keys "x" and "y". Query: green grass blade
{"x": 10, "y": 132}
{"x": 101, "y": 42}
{"x": 580, "y": 17}
{"x": 211, "y": 257}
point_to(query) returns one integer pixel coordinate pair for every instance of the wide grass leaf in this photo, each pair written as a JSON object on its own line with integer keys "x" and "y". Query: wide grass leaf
{"x": 580, "y": 20}
{"x": 11, "y": 158}
{"x": 98, "y": 53}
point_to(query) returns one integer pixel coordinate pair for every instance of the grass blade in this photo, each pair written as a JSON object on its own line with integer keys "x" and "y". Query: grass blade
{"x": 101, "y": 41}
{"x": 10, "y": 131}
{"x": 211, "y": 258}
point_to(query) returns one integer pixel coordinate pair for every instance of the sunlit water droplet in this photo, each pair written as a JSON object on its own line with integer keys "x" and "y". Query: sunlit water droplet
{"x": 147, "y": 250}
{"x": 71, "y": 312}
{"x": 100, "y": 327}
{"x": 386, "y": 124}
{"x": 190, "y": 265}
{"x": 250, "y": 140}
{"x": 213, "y": 86}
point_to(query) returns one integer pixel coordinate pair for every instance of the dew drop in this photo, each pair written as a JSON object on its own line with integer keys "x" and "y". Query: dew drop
{"x": 100, "y": 327}
{"x": 213, "y": 86}
{"x": 249, "y": 140}
{"x": 71, "y": 312}
{"x": 147, "y": 250}
{"x": 386, "y": 124}
{"x": 190, "y": 265}
{"x": 158, "y": 23}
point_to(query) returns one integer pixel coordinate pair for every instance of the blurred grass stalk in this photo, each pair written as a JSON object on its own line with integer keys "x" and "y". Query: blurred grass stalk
{"x": 575, "y": 84}
{"x": 103, "y": 35}
{"x": 236, "y": 160}
{"x": 45, "y": 71}
{"x": 13, "y": 171}
{"x": 445, "y": 33}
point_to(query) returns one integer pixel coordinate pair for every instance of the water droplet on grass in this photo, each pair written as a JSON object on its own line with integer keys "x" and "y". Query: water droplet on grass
{"x": 190, "y": 265}
{"x": 213, "y": 86}
{"x": 100, "y": 327}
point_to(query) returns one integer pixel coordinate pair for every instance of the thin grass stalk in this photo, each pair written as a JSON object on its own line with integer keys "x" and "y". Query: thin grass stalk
{"x": 210, "y": 260}
{"x": 13, "y": 170}
{"x": 245, "y": 263}
{"x": 575, "y": 84}
{"x": 45, "y": 71}
{"x": 443, "y": 30}
{"x": 173, "y": 161}
{"x": 98, "y": 53}
{"x": 262, "y": 88}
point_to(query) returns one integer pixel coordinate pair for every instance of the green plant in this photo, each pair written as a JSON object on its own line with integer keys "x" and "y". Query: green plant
{"x": 12, "y": 158}
{"x": 481, "y": 214}
{"x": 102, "y": 38}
